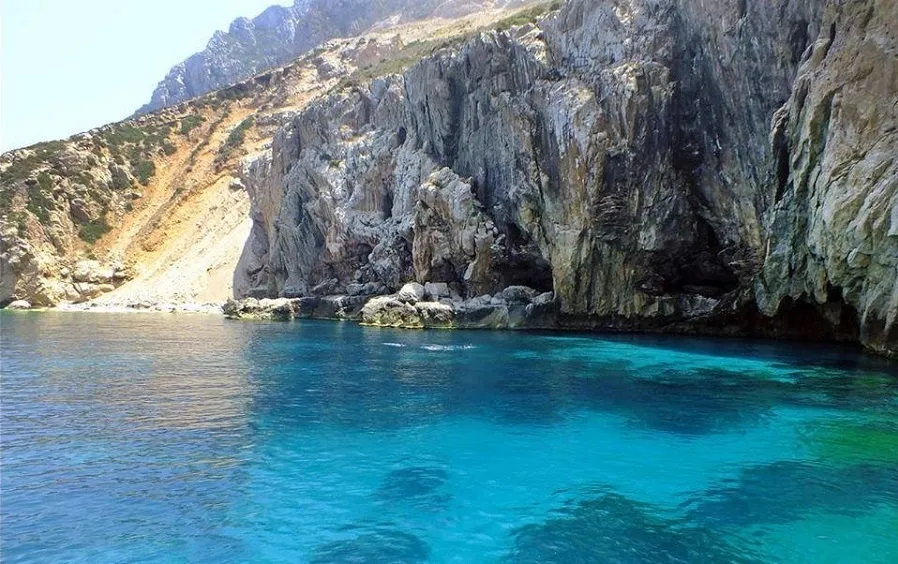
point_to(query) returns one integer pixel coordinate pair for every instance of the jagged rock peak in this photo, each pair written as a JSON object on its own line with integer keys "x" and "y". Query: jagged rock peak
{"x": 280, "y": 34}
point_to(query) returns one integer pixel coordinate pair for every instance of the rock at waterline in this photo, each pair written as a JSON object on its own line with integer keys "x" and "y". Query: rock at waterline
{"x": 388, "y": 311}
{"x": 251, "y": 308}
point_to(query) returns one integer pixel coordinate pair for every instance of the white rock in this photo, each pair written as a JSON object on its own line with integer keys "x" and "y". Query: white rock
{"x": 411, "y": 293}
{"x": 92, "y": 271}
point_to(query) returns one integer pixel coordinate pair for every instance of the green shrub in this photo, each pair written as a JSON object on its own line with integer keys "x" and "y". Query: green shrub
{"x": 21, "y": 222}
{"x": 528, "y": 15}
{"x": 235, "y": 138}
{"x": 189, "y": 123}
{"x": 6, "y": 197}
{"x": 39, "y": 203}
{"x": 93, "y": 231}
{"x": 45, "y": 181}
{"x": 144, "y": 170}
{"x": 124, "y": 133}
{"x": 120, "y": 182}
{"x": 83, "y": 178}
{"x": 23, "y": 168}
{"x": 238, "y": 134}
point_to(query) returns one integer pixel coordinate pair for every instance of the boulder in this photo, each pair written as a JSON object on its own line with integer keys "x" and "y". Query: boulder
{"x": 19, "y": 304}
{"x": 282, "y": 309}
{"x": 480, "y": 314}
{"x": 86, "y": 290}
{"x": 435, "y": 314}
{"x": 387, "y": 311}
{"x": 92, "y": 271}
{"x": 411, "y": 293}
{"x": 518, "y": 294}
{"x": 436, "y": 290}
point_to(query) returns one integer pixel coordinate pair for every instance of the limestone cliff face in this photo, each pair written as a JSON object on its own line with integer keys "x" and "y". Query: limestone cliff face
{"x": 833, "y": 225}
{"x": 658, "y": 164}
{"x": 280, "y": 34}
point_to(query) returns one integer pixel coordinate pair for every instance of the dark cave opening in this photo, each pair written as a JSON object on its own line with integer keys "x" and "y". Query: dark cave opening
{"x": 699, "y": 268}
{"x": 834, "y": 320}
{"x": 387, "y": 204}
{"x": 523, "y": 263}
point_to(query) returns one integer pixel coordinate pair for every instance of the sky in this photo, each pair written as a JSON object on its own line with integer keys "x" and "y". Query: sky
{"x": 67, "y": 66}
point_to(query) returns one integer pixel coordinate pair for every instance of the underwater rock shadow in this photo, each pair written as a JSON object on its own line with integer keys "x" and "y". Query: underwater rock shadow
{"x": 698, "y": 402}
{"x": 544, "y": 389}
{"x": 787, "y": 491}
{"x": 415, "y": 485}
{"x": 381, "y": 545}
{"x": 612, "y": 528}
{"x": 708, "y": 400}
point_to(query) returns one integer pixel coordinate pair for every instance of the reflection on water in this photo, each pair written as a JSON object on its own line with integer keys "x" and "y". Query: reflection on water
{"x": 136, "y": 367}
{"x": 179, "y": 438}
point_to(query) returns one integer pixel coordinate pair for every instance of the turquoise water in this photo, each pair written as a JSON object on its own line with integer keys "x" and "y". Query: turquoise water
{"x": 154, "y": 438}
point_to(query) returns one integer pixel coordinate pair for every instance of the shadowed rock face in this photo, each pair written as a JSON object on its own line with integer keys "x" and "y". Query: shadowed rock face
{"x": 279, "y": 34}
{"x": 662, "y": 165}
{"x": 832, "y": 234}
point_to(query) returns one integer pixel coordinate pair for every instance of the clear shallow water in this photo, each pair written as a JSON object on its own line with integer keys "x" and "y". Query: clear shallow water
{"x": 139, "y": 438}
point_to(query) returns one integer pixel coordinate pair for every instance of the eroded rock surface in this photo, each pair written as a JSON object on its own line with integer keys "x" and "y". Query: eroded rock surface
{"x": 833, "y": 226}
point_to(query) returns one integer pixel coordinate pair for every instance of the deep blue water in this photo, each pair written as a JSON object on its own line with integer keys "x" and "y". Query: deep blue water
{"x": 156, "y": 438}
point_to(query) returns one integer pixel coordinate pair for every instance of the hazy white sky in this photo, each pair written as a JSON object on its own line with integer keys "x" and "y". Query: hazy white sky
{"x": 69, "y": 65}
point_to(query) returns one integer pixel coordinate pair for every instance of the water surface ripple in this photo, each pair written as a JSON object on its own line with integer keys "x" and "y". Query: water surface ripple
{"x": 154, "y": 438}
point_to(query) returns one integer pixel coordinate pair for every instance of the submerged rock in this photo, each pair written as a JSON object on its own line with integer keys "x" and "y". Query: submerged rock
{"x": 375, "y": 545}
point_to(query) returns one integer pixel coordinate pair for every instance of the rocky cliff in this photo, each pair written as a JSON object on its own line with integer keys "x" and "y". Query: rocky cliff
{"x": 681, "y": 165}
{"x": 280, "y": 34}
{"x": 148, "y": 213}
